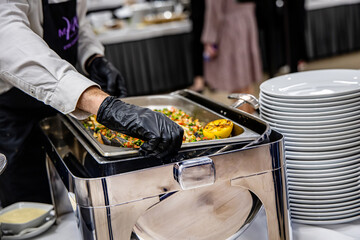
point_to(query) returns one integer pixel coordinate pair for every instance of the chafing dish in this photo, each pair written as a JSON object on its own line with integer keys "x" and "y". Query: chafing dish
{"x": 203, "y": 192}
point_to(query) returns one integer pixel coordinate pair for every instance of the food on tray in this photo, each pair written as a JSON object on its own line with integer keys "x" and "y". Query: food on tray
{"x": 21, "y": 215}
{"x": 220, "y": 128}
{"x": 164, "y": 17}
{"x": 193, "y": 130}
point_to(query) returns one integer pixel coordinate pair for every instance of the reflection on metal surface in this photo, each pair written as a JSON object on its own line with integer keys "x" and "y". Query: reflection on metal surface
{"x": 215, "y": 212}
{"x": 116, "y": 197}
{"x": 3, "y": 162}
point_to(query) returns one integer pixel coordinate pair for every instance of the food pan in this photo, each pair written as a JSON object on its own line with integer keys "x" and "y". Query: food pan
{"x": 240, "y": 133}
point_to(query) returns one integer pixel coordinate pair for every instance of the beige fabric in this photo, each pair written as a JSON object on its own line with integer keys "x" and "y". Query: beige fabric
{"x": 232, "y": 26}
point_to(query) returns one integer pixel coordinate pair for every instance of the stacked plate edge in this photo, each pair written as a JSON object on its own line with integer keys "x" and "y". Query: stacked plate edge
{"x": 318, "y": 112}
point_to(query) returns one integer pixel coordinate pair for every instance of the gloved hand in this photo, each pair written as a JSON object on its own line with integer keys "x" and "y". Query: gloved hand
{"x": 162, "y": 136}
{"x": 107, "y": 76}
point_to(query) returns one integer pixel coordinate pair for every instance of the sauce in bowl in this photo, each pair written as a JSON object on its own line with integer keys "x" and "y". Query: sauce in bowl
{"x": 21, "y": 215}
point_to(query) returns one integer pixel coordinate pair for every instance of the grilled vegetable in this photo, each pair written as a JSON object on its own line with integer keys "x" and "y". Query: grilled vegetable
{"x": 220, "y": 128}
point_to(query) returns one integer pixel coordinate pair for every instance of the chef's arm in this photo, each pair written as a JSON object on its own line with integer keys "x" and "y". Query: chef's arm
{"x": 27, "y": 62}
{"x": 91, "y": 99}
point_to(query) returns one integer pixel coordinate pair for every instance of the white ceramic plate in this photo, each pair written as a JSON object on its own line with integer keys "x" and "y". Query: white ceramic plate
{"x": 310, "y": 118}
{"x": 325, "y": 210}
{"x": 309, "y": 113}
{"x": 327, "y": 183}
{"x": 356, "y": 164}
{"x": 17, "y": 227}
{"x": 264, "y": 100}
{"x": 324, "y": 193}
{"x": 335, "y": 144}
{"x": 323, "y": 175}
{"x": 318, "y": 110}
{"x": 326, "y": 128}
{"x": 310, "y": 100}
{"x": 311, "y": 84}
{"x": 316, "y": 132}
{"x": 340, "y": 216}
{"x": 325, "y": 214}
{"x": 322, "y": 147}
{"x": 311, "y": 139}
{"x": 321, "y": 207}
{"x": 324, "y": 188}
{"x": 303, "y": 179}
{"x": 317, "y": 165}
{"x": 298, "y": 155}
{"x": 324, "y": 201}
{"x": 31, "y": 232}
{"x": 326, "y": 222}
{"x": 307, "y": 135}
{"x": 323, "y": 124}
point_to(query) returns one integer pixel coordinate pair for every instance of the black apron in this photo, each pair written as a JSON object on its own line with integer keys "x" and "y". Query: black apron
{"x": 25, "y": 177}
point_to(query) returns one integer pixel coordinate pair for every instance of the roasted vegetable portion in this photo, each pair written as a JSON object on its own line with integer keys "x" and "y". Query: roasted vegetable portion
{"x": 193, "y": 129}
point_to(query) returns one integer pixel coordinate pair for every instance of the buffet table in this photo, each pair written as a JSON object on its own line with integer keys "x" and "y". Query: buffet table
{"x": 66, "y": 229}
{"x": 153, "y": 59}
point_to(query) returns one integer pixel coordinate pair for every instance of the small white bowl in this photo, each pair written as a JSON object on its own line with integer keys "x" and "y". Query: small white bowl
{"x": 15, "y": 228}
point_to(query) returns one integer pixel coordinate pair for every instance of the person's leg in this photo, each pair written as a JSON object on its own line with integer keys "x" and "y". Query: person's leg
{"x": 199, "y": 84}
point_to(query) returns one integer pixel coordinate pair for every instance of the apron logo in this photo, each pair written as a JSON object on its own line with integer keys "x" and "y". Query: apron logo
{"x": 69, "y": 31}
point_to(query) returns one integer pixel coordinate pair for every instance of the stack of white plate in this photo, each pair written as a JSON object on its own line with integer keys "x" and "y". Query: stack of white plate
{"x": 318, "y": 112}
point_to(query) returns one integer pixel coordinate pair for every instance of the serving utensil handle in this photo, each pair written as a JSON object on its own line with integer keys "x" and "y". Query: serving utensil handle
{"x": 244, "y": 98}
{"x": 3, "y": 162}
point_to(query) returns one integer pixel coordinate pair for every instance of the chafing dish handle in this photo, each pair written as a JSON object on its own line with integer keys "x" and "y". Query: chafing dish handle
{"x": 194, "y": 173}
{"x": 3, "y": 162}
{"x": 245, "y": 98}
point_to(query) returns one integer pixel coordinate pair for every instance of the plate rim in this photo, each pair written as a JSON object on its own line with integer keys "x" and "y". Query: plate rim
{"x": 267, "y": 85}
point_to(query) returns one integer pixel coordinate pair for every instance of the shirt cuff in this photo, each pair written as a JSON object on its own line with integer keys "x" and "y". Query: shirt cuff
{"x": 68, "y": 92}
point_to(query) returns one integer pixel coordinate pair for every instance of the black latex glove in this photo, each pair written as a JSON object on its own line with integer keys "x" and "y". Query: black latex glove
{"x": 107, "y": 76}
{"x": 162, "y": 136}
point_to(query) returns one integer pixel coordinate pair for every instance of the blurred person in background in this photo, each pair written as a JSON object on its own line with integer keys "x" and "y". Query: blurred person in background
{"x": 296, "y": 34}
{"x": 231, "y": 49}
{"x": 41, "y": 43}
{"x": 197, "y": 18}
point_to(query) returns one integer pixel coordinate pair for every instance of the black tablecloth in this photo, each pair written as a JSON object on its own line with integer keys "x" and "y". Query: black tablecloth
{"x": 332, "y": 31}
{"x": 155, "y": 65}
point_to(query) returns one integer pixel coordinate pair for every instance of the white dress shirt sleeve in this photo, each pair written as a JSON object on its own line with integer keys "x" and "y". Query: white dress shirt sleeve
{"x": 27, "y": 62}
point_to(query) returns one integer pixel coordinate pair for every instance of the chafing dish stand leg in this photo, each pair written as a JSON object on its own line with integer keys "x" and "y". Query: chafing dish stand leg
{"x": 271, "y": 190}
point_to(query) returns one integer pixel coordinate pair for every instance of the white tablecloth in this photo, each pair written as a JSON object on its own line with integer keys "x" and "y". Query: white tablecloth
{"x": 319, "y": 4}
{"x": 66, "y": 229}
{"x": 151, "y": 31}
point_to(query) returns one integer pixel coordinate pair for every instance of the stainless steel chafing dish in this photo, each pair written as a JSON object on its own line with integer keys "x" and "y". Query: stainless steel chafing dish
{"x": 210, "y": 191}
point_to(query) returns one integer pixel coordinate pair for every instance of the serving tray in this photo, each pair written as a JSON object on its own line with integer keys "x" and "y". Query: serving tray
{"x": 240, "y": 133}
